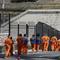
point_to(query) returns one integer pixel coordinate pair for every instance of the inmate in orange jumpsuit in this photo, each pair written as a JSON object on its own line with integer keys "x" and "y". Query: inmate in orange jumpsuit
{"x": 8, "y": 44}
{"x": 45, "y": 42}
{"x": 19, "y": 43}
{"x": 11, "y": 50}
{"x": 25, "y": 42}
{"x": 58, "y": 45}
{"x": 53, "y": 43}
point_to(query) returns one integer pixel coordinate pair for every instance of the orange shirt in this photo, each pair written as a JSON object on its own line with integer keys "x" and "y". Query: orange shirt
{"x": 19, "y": 41}
{"x": 8, "y": 41}
{"x": 45, "y": 39}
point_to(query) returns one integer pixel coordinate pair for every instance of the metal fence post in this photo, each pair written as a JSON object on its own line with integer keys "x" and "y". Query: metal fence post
{"x": 0, "y": 23}
{"x": 18, "y": 29}
{"x": 27, "y": 30}
{"x": 9, "y": 25}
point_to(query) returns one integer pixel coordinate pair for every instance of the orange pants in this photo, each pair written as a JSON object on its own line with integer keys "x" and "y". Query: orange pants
{"x": 33, "y": 47}
{"x": 45, "y": 46}
{"x": 19, "y": 50}
{"x": 37, "y": 47}
{"x": 7, "y": 50}
{"x": 24, "y": 49}
{"x": 53, "y": 47}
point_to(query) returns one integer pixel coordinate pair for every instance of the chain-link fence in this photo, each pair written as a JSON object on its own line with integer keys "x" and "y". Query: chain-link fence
{"x": 39, "y": 28}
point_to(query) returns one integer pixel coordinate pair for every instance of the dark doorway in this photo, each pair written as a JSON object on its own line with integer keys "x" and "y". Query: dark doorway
{"x": 44, "y": 29}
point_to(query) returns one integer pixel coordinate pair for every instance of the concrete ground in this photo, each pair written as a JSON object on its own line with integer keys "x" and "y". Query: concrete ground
{"x": 35, "y": 56}
{"x": 27, "y": 59}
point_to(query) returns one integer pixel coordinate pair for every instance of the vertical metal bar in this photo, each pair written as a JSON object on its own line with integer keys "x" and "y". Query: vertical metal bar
{"x": 9, "y": 25}
{"x": 35, "y": 29}
{"x": 27, "y": 30}
{"x": 0, "y": 23}
{"x": 18, "y": 29}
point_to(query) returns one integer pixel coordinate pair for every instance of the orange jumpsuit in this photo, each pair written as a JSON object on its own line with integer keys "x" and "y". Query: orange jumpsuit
{"x": 11, "y": 46}
{"x": 25, "y": 47}
{"x": 53, "y": 43}
{"x": 19, "y": 44}
{"x": 8, "y": 44}
{"x": 45, "y": 42}
{"x": 58, "y": 45}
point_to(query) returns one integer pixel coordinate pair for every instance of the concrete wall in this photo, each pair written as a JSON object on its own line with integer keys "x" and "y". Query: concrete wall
{"x": 40, "y": 4}
{"x": 40, "y": 1}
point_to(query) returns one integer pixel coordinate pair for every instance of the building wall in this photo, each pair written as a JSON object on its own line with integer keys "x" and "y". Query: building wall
{"x": 40, "y": 1}
{"x": 39, "y": 4}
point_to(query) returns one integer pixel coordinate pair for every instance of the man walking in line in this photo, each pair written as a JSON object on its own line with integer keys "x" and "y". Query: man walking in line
{"x": 53, "y": 43}
{"x": 8, "y": 44}
{"x": 19, "y": 43}
{"x": 45, "y": 42}
{"x": 25, "y": 42}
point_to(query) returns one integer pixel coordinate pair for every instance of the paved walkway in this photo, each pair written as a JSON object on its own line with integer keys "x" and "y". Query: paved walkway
{"x": 27, "y": 59}
{"x": 35, "y": 56}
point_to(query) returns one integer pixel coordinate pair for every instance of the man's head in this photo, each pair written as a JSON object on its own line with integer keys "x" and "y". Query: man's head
{"x": 24, "y": 35}
{"x": 20, "y": 35}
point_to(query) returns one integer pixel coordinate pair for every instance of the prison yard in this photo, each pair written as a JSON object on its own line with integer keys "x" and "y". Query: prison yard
{"x": 33, "y": 35}
{"x": 29, "y": 29}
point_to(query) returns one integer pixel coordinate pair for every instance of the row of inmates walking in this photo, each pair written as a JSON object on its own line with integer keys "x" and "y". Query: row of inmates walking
{"x": 21, "y": 45}
{"x": 37, "y": 43}
{"x": 45, "y": 43}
